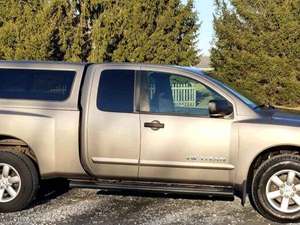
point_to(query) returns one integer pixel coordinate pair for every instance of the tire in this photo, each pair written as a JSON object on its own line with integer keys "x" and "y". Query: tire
{"x": 278, "y": 199}
{"x": 25, "y": 187}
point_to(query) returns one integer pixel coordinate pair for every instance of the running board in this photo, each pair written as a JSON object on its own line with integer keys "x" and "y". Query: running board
{"x": 158, "y": 187}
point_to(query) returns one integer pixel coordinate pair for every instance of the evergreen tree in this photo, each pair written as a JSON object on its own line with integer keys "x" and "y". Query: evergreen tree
{"x": 257, "y": 48}
{"x": 43, "y": 30}
{"x": 108, "y": 29}
{"x": 154, "y": 31}
{"x": 63, "y": 16}
{"x": 24, "y": 31}
{"x": 77, "y": 44}
{"x": 70, "y": 30}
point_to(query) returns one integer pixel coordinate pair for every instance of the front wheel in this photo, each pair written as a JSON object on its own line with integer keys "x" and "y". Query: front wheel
{"x": 275, "y": 189}
{"x": 18, "y": 181}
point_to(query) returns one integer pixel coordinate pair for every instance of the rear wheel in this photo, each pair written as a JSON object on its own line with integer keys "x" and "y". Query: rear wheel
{"x": 275, "y": 190}
{"x": 18, "y": 181}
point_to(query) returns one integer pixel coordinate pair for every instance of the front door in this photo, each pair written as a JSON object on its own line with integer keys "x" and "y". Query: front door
{"x": 179, "y": 140}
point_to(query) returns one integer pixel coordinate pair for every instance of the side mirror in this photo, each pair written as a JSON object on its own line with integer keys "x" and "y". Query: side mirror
{"x": 219, "y": 108}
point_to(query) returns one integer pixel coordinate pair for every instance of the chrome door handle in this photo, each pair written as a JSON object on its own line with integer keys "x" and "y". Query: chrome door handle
{"x": 154, "y": 125}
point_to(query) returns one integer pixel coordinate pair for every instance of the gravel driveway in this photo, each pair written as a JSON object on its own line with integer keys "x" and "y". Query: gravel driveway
{"x": 79, "y": 206}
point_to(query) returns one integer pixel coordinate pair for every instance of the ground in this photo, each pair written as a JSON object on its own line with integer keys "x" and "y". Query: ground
{"x": 83, "y": 206}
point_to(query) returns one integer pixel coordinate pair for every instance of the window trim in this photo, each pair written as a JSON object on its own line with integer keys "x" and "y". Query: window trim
{"x": 143, "y": 84}
{"x": 43, "y": 100}
{"x": 135, "y": 93}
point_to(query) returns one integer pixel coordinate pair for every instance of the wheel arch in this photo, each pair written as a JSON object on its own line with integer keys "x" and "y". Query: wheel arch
{"x": 264, "y": 155}
{"x": 15, "y": 144}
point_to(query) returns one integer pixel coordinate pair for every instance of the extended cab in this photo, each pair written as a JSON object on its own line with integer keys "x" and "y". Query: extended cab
{"x": 143, "y": 127}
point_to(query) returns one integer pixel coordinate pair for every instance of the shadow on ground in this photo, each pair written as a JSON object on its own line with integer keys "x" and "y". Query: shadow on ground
{"x": 80, "y": 207}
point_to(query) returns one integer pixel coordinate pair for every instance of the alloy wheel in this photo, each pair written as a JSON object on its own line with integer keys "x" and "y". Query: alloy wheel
{"x": 283, "y": 191}
{"x": 10, "y": 183}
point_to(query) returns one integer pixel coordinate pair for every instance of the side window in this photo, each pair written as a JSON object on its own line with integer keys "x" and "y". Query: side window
{"x": 116, "y": 91}
{"x": 28, "y": 84}
{"x": 174, "y": 94}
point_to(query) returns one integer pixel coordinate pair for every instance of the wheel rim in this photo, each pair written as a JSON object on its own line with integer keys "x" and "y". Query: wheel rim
{"x": 283, "y": 191}
{"x": 10, "y": 183}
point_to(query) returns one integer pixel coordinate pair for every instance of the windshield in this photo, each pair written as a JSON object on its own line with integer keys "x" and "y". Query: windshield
{"x": 244, "y": 99}
{"x": 247, "y": 101}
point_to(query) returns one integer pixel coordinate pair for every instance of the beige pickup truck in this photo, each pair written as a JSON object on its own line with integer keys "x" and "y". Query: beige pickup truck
{"x": 143, "y": 127}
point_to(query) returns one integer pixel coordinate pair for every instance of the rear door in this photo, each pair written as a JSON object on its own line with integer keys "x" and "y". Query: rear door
{"x": 111, "y": 125}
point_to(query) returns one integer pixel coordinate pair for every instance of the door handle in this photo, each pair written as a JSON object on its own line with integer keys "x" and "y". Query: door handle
{"x": 154, "y": 125}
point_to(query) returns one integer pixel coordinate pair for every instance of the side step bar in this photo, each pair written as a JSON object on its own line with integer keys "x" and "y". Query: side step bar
{"x": 157, "y": 187}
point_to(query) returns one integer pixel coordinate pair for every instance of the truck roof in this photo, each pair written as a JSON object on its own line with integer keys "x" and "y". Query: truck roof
{"x": 31, "y": 62}
{"x": 39, "y": 62}
{"x": 61, "y": 64}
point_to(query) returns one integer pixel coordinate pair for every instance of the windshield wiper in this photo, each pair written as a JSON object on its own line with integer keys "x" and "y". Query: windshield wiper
{"x": 265, "y": 106}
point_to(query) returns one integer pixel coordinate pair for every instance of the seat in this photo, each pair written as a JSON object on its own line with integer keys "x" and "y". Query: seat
{"x": 162, "y": 100}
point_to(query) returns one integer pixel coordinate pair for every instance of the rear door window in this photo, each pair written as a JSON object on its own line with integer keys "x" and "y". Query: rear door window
{"x": 116, "y": 91}
{"x": 51, "y": 85}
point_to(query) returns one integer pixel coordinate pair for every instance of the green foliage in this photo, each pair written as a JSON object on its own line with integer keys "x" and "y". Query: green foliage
{"x": 153, "y": 31}
{"x": 160, "y": 31}
{"x": 25, "y": 33}
{"x": 257, "y": 48}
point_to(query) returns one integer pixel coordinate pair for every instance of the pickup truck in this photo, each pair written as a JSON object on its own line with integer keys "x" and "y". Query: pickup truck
{"x": 140, "y": 127}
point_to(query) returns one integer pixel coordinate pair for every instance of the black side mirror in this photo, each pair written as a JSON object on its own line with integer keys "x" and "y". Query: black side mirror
{"x": 219, "y": 108}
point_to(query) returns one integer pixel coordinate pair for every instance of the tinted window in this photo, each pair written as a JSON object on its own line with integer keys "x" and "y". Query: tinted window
{"x": 173, "y": 94}
{"x": 35, "y": 84}
{"x": 116, "y": 91}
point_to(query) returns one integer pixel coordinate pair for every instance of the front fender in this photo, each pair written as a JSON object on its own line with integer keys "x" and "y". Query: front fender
{"x": 255, "y": 139}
